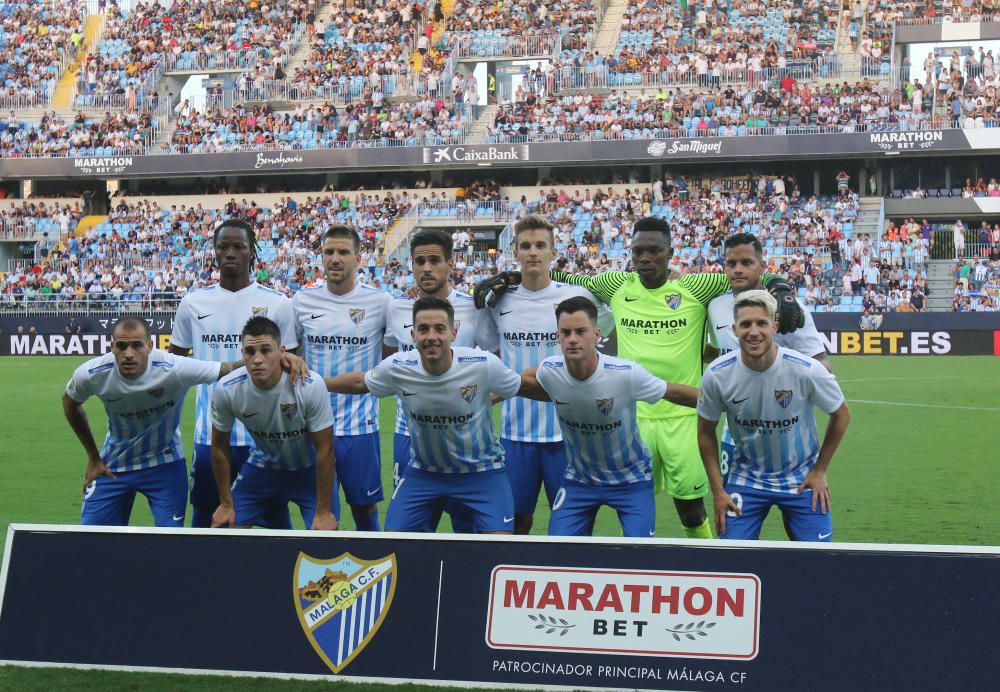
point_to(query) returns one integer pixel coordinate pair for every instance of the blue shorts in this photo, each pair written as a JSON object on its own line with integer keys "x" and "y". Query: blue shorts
{"x": 261, "y": 496}
{"x": 421, "y": 496}
{"x": 462, "y": 519}
{"x": 108, "y": 501}
{"x": 727, "y": 453}
{"x": 359, "y": 467}
{"x": 204, "y": 492}
{"x": 531, "y": 465}
{"x": 802, "y": 523}
{"x": 576, "y": 506}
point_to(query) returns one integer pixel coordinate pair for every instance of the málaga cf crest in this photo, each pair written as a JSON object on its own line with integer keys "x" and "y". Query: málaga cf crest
{"x": 783, "y": 397}
{"x": 342, "y": 602}
{"x": 468, "y": 392}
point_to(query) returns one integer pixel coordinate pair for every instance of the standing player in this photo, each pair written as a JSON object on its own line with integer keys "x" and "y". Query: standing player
{"x": 341, "y": 325}
{"x": 522, "y": 327}
{"x": 430, "y": 253}
{"x": 209, "y": 322}
{"x": 661, "y": 324}
{"x": 769, "y": 394}
{"x": 143, "y": 392}
{"x": 446, "y": 394}
{"x": 291, "y": 427}
{"x": 744, "y": 265}
{"x": 595, "y": 397}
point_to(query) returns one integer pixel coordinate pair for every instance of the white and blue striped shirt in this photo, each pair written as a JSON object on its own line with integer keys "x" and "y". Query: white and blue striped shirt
{"x": 398, "y": 333}
{"x": 278, "y": 419}
{"x": 144, "y": 414}
{"x": 344, "y": 334}
{"x": 450, "y": 415}
{"x": 209, "y": 321}
{"x": 771, "y": 415}
{"x": 598, "y": 419}
{"x": 522, "y": 327}
{"x": 805, "y": 339}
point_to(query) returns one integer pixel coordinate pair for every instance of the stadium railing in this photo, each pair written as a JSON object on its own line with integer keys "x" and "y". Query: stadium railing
{"x": 601, "y": 78}
{"x": 104, "y": 303}
{"x": 508, "y": 46}
{"x": 221, "y": 60}
{"x": 945, "y": 19}
{"x": 24, "y": 229}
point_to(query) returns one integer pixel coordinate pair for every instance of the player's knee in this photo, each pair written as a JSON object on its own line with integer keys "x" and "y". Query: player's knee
{"x": 363, "y": 509}
{"x": 523, "y": 523}
{"x": 691, "y": 512}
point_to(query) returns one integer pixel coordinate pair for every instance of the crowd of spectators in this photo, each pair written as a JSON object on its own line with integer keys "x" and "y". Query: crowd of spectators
{"x": 363, "y": 46}
{"x": 373, "y": 122}
{"x": 123, "y": 131}
{"x": 722, "y": 40}
{"x": 190, "y": 34}
{"x": 36, "y": 37}
{"x": 731, "y": 110}
{"x": 977, "y": 285}
{"x": 487, "y": 27}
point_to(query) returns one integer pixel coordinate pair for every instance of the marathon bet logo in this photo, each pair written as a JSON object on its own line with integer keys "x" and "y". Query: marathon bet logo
{"x": 341, "y": 603}
{"x": 900, "y": 141}
{"x": 624, "y": 612}
{"x": 476, "y": 154}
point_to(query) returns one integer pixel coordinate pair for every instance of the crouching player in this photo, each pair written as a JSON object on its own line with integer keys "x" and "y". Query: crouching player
{"x": 595, "y": 398}
{"x": 291, "y": 426}
{"x": 769, "y": 394}
{"x": 143, "y": 392}
{"x": 446, "y": 395}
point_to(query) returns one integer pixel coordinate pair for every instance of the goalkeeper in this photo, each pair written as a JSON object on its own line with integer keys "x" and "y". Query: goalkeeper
{"x": 661, "y": 325}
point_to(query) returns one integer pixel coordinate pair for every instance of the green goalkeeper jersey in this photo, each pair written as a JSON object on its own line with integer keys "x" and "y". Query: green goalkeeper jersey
{"x": 662, "y": 328}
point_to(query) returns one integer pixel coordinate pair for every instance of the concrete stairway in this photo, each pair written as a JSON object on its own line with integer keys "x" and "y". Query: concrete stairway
{"x": 941, "y": 285}
{"x": 63, "y": 96}
{"x": 610, "y": 27}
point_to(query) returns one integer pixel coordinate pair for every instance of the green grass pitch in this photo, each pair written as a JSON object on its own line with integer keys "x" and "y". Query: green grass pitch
{"x": 915, "y": 467}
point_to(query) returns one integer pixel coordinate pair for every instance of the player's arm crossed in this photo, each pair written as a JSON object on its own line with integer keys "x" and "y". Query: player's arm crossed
{"x": 347, "y": 383}
{"x": 319, "y": 419}
{"x": 531, "y": 388}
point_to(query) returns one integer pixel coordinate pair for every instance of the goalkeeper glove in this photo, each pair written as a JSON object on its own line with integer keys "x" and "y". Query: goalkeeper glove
{"x": 488, "y": 291}
{"x": 790, "y": 313}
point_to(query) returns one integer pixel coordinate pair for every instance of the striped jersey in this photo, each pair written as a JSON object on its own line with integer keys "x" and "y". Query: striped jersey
{"x": 522, "y": 327}
{"x": 771, "y": 415}
{"x": 661, "y": 328}
{"x": 278, "y": 419}
{"x": 342, "y": 334}
{"x": 805, "y": 339}
{"x": 450, "y": 415}
{"x": 144, "y": 414}
{"x": 209, "y": 322}
{"x": 598, "y": 419}
{"x": 397, "y": 333}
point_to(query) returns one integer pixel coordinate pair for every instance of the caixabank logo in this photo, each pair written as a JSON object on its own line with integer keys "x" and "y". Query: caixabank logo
{"x": 477, "y": 153}
{"x": 342, "y": 602}
{"x": 624, "y": 612}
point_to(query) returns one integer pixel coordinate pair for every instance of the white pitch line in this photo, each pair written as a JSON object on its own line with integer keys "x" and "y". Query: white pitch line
{"x": 903, "y": 403}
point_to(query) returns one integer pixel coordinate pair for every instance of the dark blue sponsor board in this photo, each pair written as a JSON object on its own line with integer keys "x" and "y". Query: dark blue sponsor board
{"x": 534, "y": 611}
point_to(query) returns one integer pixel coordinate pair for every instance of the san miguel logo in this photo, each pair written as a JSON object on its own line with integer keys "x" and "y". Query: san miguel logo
{"x": 342, "y": 602}
{"x": 624, "y": 612}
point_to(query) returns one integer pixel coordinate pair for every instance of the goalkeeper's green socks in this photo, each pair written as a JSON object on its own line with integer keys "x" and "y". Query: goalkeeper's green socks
{"x": 703, "y": 530}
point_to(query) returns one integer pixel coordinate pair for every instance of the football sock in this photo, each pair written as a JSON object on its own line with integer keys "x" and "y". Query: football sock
{"x": 366, "y": 521}
{"x": 703, "y": 530}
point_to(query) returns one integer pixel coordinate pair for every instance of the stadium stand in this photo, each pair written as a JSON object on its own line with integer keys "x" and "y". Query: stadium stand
{"x": 117, "y": 132}
{"x": 37, "y": 39}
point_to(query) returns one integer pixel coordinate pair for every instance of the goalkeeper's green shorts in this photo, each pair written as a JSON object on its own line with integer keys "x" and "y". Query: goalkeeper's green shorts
{"x": 677, "y": 466}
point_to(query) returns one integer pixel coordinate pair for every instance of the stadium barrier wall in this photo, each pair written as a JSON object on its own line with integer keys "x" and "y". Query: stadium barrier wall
{"x": 498, "y": 611}
{"x": 908, "y": 334}
{"x": 674, "y": 150}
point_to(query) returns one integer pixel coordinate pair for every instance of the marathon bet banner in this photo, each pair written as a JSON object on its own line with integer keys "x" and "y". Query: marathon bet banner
{"x": 674, "y": 150}
{"x": 85, "y": 335}
{"x": 492, "y": 610}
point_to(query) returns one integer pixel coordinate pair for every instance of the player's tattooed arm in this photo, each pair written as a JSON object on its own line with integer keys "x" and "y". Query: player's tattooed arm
{"x": 225, "y": 515}
{"x": 530, "y": 387}
{"x": 348, "y": 383}
{"x": 295, "y": 367}
{"x": 681, "y": 394}
{"x": 77, "y": 418}
{"x": 325, "y": 468}
{"x": 226, "y": 368}
{"x": 816, "y": 478}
